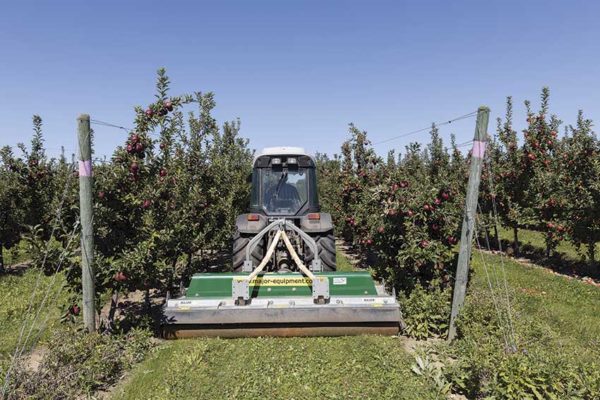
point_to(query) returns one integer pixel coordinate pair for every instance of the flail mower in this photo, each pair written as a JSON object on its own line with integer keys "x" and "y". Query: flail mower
{"x": 284, "y": 280}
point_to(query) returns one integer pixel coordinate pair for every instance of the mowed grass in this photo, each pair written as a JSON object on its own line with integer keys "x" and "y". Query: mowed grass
{"x": 343, "y": 263}
{"x": 359, "y": 367}
{"x": 567, "y": 308}
{"x": 15, "y": 298}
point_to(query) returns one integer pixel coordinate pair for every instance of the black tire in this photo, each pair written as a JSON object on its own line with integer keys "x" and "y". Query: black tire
{"x": 326, "y": 245}
{"x": 239, "y": 251}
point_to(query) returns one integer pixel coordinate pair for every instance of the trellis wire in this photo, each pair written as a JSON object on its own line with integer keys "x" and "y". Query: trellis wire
{"x": 444, "y": 122}
{"x": 57, "y": 218}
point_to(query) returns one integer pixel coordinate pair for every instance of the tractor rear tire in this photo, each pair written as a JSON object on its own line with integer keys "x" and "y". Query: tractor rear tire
{"x": 240, "y": 242}
{"x": 326, "y": 246}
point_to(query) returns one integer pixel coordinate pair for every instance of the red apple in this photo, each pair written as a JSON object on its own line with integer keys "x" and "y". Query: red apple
{"x": 74, "y": 309}
{"x": 139, "y": 147}
{"x": 426, "y": 207}
{"x": 163, "y": 172}
{"x": 129, "y": 148}
{"x": 445, "y": 196}
{"x": 381, "y": 229}
{"x": 120, "y": 277}
{"x": 100, "y": 195}
{"x": 149, "y": 113}
{"x": 168, "y": 105}
{"x": 424, "y": 244}
{"x": 147, "y": 203}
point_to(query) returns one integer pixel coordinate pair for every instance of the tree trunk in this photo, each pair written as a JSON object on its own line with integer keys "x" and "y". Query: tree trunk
{"x": 114, "y": 301}
{"x": 516, "y": 240}
{"x": 497, "y": 237}
{"x": 592, "y": 251}
{"x": 1, "y": 258}
{"x": 147, "y": 301}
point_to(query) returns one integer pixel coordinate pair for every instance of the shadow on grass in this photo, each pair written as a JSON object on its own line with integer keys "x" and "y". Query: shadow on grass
{"x": 557, "y": 262}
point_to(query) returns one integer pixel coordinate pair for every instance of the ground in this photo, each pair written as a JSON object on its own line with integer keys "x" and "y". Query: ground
{"x": 279, "y": 368}
{"x": 333, "y": 368}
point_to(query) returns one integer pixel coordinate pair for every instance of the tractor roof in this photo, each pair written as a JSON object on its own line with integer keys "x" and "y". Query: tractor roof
{"x": 283, "y": 151}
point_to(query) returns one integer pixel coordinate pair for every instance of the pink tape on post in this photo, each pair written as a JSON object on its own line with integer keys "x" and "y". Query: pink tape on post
{"x": 85, "y": 168}
{"x": 478, "y": 149}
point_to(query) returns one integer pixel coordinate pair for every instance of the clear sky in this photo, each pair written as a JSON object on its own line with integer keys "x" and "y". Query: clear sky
{"x": 295, "y": 72}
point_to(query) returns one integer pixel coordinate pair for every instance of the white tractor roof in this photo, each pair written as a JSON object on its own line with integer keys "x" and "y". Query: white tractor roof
{"x": 282, "y": 151}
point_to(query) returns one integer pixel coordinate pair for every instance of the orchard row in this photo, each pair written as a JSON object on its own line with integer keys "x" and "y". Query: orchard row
{"x": 166, "y": 201}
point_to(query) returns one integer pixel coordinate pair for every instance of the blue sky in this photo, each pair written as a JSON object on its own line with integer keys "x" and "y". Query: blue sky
{"x": 295, "y": 72}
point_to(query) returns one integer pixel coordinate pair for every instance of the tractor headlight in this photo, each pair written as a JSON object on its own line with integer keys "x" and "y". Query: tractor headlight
{"x": 292, "y": 160}
{"x": 275, "y": 161}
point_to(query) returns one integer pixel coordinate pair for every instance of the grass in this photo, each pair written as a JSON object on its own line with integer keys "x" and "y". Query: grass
{"x": 537, "y": 240}
{"x": 15, "y": 295}
{"x": 343, "y": 263}
{"x": 17, "y": 254}
{"x": 568, "y": 308}
{"x": 359, "y": 367}
{"x": 329, "y": 368}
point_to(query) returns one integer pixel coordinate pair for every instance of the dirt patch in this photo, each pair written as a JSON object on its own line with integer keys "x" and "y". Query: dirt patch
{"x": 33, "y": 360}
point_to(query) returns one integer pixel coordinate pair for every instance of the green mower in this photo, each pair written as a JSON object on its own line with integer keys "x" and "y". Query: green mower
{"x": 284, "y": 280}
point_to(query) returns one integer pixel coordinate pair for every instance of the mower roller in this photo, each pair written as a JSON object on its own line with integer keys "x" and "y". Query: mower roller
{"x": 284, "y": 280}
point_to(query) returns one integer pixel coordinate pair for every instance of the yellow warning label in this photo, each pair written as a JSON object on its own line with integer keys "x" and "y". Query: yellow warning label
{"x": 280, "y": 281}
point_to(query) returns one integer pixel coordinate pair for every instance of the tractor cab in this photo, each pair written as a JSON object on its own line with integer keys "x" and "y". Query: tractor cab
{"x": 284, "y": 183}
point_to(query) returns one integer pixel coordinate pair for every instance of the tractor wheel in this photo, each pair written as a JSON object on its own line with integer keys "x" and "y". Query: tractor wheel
{"x": 238, "y": 257}
{"x": 326, "y": 245}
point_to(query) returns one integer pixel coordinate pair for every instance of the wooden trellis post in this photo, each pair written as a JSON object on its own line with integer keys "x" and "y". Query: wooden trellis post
{"x": 468, "y": 226}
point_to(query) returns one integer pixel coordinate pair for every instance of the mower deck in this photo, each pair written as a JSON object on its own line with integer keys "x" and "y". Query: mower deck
{"x": 282, "y": 305}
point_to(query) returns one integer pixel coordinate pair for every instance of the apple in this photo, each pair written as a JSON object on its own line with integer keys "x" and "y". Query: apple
{"x": 163, "y": 172}
{"x": 369, "y": 242}
{"x": 139, "y": 147}
{"x": 437, "y": 201}
{"x": 409, "y": 213}
{"x": 135, "y": 138}
{"x": 404, "y": 184}
{"x": 381, "y": 229}
{"x": 424, "y": 244}
{"x": 120, "y": 277}
{"x": 427, "y": 207}
{"x": 168, "y": 105}
{"x": 147, "y": 203}
{"x": 445, "y": 196}
{"x": 163, "y": 146}
{"x": 100, "y": 195}
{"x": 134, "y": 167}
{"x": 129, "y": 148}
{"x": 531, "y": 156}
{"x": 74, "y": 309}
{"x": 149, "y": 113}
